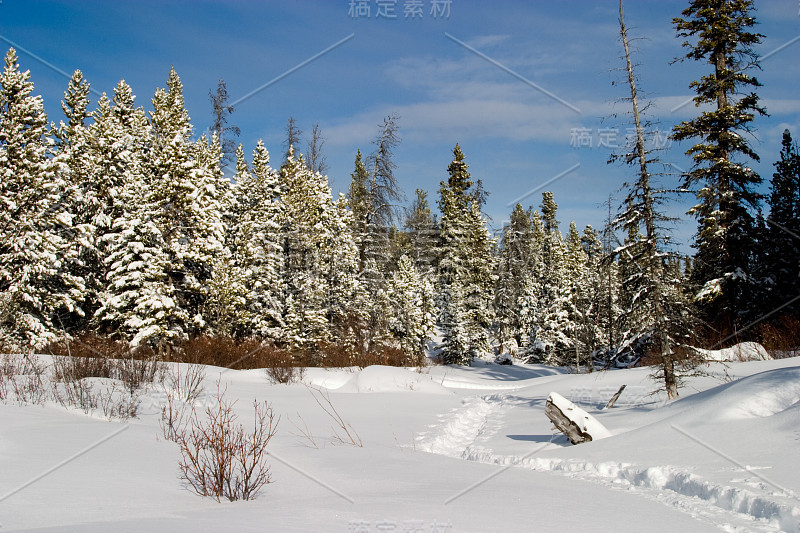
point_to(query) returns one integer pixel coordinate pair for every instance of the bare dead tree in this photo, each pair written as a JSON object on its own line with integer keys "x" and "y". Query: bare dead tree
{"x": 658, "y": 315}
{"x": 221, "y": 111}
{"x": 293, "y": 134}
{"x": 315, "y": 159}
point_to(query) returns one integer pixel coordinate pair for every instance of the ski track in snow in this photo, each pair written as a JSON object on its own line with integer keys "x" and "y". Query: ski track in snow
{"x": 459, "y": 431}
{"x": 759, "y": 508}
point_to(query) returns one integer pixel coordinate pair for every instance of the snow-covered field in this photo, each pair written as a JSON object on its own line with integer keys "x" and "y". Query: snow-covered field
{"x": 447, "y": 449}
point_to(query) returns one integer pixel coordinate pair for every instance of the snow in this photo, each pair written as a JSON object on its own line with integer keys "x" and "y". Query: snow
{"x": 445, "y": 449}
{"x": 392, "y": 379}
{"x": 744, "y": 351}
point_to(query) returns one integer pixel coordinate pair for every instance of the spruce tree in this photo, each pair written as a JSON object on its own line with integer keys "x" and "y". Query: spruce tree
{"x": 247, "y": 287}
{"x": 117, "y": 148}
{"x": 36, "y": 236}
{"x": 73, "y": 151}
{"x": 306, "y": 204}
{"x": 727, "y": 191}
{"x": 412, "y": 315}
{"x": 372, "y": 196}
{"x": 782, "y": 248}
{"x": 554, "y": 325}
{"x": 423, "y": 234}
{"x": 515, "y": 303}
{"x": 466, "y": 269}
{"x": 140, "y": 304}
{"x": 188, "y": 183}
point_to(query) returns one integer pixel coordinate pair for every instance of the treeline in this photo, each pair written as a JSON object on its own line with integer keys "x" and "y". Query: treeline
{"x": 121, "y": 223}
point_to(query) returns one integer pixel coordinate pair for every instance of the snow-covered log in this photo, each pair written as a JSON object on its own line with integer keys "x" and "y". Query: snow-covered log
{"x": 573, "y": 421}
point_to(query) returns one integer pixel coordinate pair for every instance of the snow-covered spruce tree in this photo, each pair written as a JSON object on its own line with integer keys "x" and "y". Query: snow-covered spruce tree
{"x": 412, "y": 314}
{"x": 655, "y": 317}
{"x": 348, "y": 303}
{"x": 188, "y": 186}
{"x": 515, "y": 302}
{"x": 724, "y": 242}
{"x": 306, "y": 203}
{"x": 76, "y": 166}
{"x": 466, "y": 269}
{"x": 227, "y": 309}
{"x": 596, "y": 305}
{"x": 555, "y": 324}
{"x": 372, "y": 196}
{"x": 114, "y": 149}
{"x": 532, "y": 292}
{"x": 139, "y": 303}
{"x": 36, "y": 230}
{"x": 252, "y": 296}
{"x": 422, "y": 234}
{"x": 358, "y": 198}
{"x": 782, "y": 261}
{"x": 137, "y": 300}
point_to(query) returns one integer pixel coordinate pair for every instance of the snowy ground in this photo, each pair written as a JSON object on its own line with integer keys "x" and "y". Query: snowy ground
{"x": 449, "y": 449}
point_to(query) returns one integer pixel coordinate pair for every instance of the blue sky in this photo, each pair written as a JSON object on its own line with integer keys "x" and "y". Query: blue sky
{"x": 517, "y": 84}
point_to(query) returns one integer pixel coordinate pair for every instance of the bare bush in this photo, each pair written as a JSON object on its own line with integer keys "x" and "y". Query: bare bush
{"x": 72, "y": 368}
{"x": 339, "y": 355}
{"x": 118, "y": 399}
{"x": 136, "y": 373}
{"x": 343, "y": 432}
{"x": 222, "y": 351}
{"x": 23, "y": 378}
{"x": 281, "y": 367}
{"x": 221, "y": 460}
{"x": 6, "y": 374}
{"x": 76, "y": 393}
{"x": 119, "y": 402}
{"x": 303, "y": 432}
{"x": 93, "y": 345}
{"x": 182, "y": 389}
{"x": 780, "y": 337}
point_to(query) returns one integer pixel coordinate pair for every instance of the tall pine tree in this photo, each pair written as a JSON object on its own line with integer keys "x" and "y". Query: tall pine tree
{"x": 36, "y": 229}
{"x": 727, "y": 186}
{"x": 782, "y": 245}
{"x": 466, "y": 269}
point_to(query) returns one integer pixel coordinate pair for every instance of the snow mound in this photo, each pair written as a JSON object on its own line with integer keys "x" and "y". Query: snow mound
{"x": 328, "y": 378}
{"x": 392, "y": 379}
{"x": 744, "y": 351}
{"x": 761, "y": 395}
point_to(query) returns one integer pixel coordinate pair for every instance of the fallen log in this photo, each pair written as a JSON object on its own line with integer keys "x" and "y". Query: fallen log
{"x": 578, "y": 425}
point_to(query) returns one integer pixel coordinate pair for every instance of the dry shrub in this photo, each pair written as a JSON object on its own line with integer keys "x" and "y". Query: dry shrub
{"x": 237, "y": 354}
{"x": 780, "y": 337}
{"x": 68, "y": 369}
{"x": 219, "y": 458}
{"x": 387, "y": 356}
{"x": 23, "y": 379}
{"x": 340, "y": 355}
{"x": 281, "y": 366}
{"x": 343, "y": 432}
{"x": 182, "y": 389}
{"x": 94, "y": 356}
{"x": 93, "y": 345}
{"x": 137, "y": 373}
